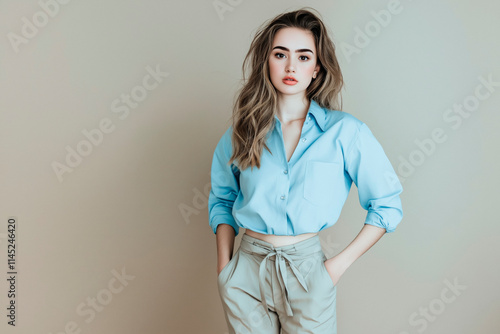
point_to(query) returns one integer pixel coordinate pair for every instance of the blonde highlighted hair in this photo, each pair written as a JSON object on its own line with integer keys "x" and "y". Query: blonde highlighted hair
{"x": 256, "y": 102}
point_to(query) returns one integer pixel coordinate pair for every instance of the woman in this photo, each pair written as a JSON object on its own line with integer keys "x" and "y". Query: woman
{"x": 279, "y": 278}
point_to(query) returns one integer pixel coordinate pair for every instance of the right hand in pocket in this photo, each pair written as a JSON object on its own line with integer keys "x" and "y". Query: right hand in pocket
{"x": 221, "y": 265}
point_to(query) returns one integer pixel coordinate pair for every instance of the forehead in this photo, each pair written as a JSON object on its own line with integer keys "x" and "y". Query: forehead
{"x": 294, "y": 38}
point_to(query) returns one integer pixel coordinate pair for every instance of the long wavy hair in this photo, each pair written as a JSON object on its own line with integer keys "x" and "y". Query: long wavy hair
{"x": 256, "y": 102}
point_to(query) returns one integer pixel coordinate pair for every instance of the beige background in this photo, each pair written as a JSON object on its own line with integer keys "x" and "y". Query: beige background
{"x": 121, "y": 207}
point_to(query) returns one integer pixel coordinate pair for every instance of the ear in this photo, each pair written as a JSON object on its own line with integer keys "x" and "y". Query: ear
{"x": 316, "y": 71}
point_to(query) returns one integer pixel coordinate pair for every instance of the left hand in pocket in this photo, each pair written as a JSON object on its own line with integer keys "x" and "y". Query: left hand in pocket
{"x": 336, "y": 268}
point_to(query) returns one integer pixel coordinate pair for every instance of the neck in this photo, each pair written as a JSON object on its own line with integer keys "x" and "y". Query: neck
{"x": 292, "y": 108}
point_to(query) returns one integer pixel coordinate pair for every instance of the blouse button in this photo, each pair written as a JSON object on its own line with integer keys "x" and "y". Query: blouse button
{"x": 304, "y": 139}
{"x": 282, "y": 197}
{"x": 285, "y": 172}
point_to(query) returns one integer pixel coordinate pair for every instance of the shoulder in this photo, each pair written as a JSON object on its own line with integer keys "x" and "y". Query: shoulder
{"x": 224, "y": 145}
{"x": 225, "y": 139}
{"x": 347, "y": 129}
{"x": 344, "y": 121}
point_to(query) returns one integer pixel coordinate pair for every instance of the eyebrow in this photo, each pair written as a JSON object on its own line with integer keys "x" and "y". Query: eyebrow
{"x": 298, "y": 50}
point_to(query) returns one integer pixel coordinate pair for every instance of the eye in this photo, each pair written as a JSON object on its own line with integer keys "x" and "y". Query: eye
{"x": 305, "y": 57}
{"x": 277, "y": 54}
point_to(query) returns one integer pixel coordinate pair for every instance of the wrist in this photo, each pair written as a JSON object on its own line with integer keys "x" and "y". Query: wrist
{"x": 223, "y": 259}
{"x": 343, "y": 261}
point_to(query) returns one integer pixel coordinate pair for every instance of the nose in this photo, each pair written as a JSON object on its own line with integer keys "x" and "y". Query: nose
{"x": 290, "y": 67}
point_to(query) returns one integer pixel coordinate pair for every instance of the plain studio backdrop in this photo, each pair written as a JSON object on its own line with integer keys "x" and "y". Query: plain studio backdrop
{"x": 109, "y": 115}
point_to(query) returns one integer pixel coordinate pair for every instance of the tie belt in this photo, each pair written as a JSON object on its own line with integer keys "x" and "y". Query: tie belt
{"x": 283, "y": 254}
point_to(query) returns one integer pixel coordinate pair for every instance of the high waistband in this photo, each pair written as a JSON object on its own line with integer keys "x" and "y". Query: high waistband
{"x": 297, "y": 251}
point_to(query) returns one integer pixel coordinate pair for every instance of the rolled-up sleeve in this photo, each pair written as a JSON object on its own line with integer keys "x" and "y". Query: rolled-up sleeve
{"x": 224, "y": 186}
{"x": 377, "y": 182}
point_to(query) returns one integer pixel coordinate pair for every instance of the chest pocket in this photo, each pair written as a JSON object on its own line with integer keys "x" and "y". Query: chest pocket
{"x": 322, "y": 181}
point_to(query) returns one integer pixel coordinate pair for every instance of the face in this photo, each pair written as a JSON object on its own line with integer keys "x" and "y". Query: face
{"x": 293, "y": 55}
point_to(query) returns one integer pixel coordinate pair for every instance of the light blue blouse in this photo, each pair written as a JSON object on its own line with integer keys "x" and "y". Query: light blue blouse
{"x": 307, "y": 193}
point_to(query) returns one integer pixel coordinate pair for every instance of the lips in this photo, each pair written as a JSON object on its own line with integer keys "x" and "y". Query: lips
{"x": 289, "y": 80}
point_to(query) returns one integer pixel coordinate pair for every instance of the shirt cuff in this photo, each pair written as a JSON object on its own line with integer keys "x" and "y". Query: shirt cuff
{"x": 372, "y": 218}
{"x": 228, "y": 222}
